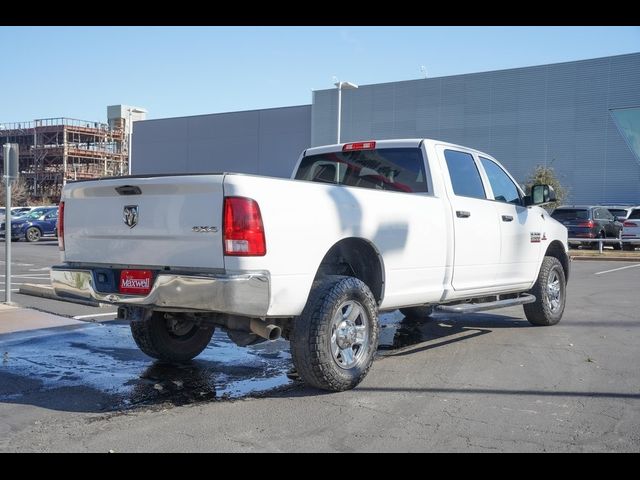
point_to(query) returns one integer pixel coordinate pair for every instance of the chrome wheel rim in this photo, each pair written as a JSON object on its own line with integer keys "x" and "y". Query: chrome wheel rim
{"x": 33, "y": 234}
{"x": 349, "y": 334}
{"x": 554, "y": 291}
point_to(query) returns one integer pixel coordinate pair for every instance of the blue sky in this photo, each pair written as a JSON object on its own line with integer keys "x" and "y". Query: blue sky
{"x": 173, "y": 71}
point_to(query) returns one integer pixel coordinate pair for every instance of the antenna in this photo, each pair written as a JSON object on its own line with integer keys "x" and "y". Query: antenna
{"x": 423, "y": 69}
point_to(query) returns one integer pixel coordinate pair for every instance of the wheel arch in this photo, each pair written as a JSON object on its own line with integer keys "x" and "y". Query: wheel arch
{"x": 355, "y": 257}
{"x": 556, "y": 249}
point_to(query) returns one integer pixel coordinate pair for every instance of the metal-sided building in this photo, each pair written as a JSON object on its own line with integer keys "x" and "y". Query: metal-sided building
{"x": 581, "y": 117}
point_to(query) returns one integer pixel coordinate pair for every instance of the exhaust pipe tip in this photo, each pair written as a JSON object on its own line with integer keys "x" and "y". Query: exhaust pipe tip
{"x": 273, "y": 332}
{"x": 265, "y": 330}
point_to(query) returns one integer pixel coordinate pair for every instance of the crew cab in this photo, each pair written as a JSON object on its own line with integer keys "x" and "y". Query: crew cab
{"x": 359, "y": 228}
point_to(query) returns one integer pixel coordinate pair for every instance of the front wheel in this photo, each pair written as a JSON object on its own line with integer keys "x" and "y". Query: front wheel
{"x": 170, "y": 340}
{"x": 550, "y": 292}
{"x": 33, "y": 234}
{"x": 334, "y": 341}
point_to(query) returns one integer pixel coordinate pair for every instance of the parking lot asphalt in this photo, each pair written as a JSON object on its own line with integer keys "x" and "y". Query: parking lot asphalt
{"x": 477, "y": 382}
{"x": 31, "y": 263}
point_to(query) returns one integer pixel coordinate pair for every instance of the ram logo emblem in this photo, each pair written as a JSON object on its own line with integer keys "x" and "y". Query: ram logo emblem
{"x": 130, "y": 215}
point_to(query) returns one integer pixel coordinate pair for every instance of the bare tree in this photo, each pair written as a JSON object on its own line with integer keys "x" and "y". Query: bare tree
{"x": 20, "y": 194}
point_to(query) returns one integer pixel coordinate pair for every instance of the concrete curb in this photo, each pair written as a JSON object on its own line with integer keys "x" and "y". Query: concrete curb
{"x": 45, "y": 291}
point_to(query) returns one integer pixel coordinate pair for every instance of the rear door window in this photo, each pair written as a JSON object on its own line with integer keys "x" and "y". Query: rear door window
{"x": 634, "y": 215}
{"x": 465, "y": 178}
{"x": 392, "y": 169}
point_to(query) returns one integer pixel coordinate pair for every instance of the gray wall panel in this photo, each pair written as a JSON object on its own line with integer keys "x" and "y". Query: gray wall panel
{"x": 556, "y": 115}
{"x": 260, "y": 141}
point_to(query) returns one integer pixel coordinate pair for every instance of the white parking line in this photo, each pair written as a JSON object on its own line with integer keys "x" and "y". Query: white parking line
{"x": 20, "y": 264}
{"x": 80, "y": 317}
{"x": 616, "y": 269}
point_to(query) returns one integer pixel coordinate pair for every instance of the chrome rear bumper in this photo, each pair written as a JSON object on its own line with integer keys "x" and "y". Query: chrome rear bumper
{"x": 245, "y": 294}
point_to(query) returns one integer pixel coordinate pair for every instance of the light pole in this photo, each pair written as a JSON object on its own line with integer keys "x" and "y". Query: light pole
{"x": 130, "y": 134}
{"x": 341, "y": 86}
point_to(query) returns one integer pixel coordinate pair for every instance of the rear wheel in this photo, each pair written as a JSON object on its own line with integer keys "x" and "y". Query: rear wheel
{"x": 550, "y": 292}
{"x": 170, "y": 340}
{"x": 334, "y": 341}
{"x": 418, "y": 313}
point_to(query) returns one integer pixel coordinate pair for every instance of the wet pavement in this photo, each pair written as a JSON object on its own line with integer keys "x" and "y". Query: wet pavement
{"x": 96, "y": 367}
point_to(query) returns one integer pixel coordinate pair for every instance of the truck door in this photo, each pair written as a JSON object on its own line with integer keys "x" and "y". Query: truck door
{"x": 476, "y": 228}
{"x": 521, "y": 230}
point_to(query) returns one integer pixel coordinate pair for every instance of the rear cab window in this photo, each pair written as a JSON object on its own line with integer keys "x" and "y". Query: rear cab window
{"x": 571, "y": 214}
{"x": 391, "y": 169}
{"x": 618, "y": 212}
{"x": 634, "y": 215}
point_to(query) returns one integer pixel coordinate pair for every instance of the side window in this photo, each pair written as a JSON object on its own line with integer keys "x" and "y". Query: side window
{"x": 504, "y": 190}
{"x": 597, "y": 214}
{"x": 464, "y": 174}
{"x": 603, "y": 214}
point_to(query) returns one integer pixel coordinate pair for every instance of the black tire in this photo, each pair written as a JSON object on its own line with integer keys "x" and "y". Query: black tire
{"x": 33, "y": 234}
{"x": 155, "y": 337}
{"x": 549, "y": 306}
{"x": 316, "y": 344}
{"x": 629, "y": 247}
{"x": 418, "y": 313}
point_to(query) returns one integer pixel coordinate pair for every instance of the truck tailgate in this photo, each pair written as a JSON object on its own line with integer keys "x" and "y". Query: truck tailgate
{"x": 168, "y": 209}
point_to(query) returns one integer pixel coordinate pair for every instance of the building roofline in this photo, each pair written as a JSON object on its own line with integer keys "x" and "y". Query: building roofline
{"x": 223, "y": 113}
{"x": 484, "y": 72}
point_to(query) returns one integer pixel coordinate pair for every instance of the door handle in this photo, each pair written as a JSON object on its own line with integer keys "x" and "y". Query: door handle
{"x": 507, "y": 218}
{"x": 462, "y": 214}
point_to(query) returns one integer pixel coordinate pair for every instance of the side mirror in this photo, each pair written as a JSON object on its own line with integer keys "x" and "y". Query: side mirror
{"x": 541, "y": 194}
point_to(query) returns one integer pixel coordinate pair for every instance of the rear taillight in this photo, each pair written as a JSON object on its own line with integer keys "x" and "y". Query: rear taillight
{"x": 629, "y": 224}
{"x": 61, "y": 226}
{"x": 588, "y": 224}
{"x": 243, "y": 228}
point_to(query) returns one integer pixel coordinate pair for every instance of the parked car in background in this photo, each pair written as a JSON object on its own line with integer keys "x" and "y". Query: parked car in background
{"x": 619, "y": 211}
{"x": 34, "y": 225}
{"x": 631, "y": 230}
{"x": 20, "y": 211}
{"x": 585, "y": 221}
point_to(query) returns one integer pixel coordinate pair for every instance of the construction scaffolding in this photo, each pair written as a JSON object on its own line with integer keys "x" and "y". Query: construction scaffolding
{"x": 56, "y": 150}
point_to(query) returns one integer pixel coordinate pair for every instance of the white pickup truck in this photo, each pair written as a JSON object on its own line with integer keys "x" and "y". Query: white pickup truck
{"x": 360, "y": 228}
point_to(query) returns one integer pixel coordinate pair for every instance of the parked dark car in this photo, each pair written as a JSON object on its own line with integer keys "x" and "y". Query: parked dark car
{"x": 34, "y": 225}
{"x": 589, "y": 222}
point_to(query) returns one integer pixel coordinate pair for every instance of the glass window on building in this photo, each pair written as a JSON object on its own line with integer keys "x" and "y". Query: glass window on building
{"x": 628, "y": 122}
